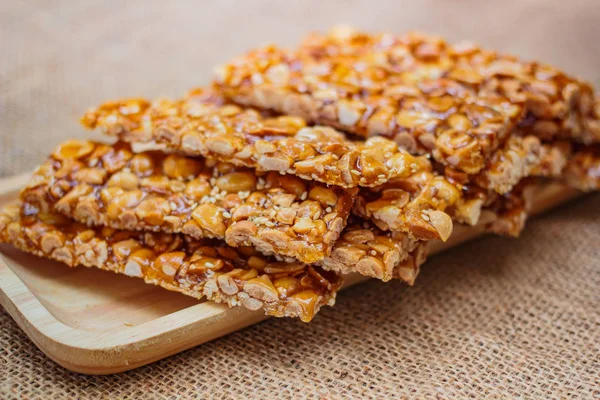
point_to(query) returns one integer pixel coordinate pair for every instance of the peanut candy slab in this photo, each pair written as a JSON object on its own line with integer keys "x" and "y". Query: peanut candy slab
{"x": 365, "y": 249}
{"x": 198, "y": 268}
{"x": 110, "y": 185}
{"x": 369, "y": 100}
{"x": 457, "y": 101}
{"x": 201, "y": 125}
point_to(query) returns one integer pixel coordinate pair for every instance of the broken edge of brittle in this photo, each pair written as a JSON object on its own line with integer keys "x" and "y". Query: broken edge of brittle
{"x": 245, "y": 137}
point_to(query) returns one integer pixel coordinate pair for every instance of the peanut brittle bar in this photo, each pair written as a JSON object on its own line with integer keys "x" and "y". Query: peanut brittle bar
{"x": 198, "y": 268}
{"x": 201, "y": 125}
{"x": 456, "y": 101}
{"x": 110, "y": 185}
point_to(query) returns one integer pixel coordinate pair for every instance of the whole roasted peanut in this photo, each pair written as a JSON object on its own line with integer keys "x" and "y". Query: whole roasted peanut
{"x": 209, "y": 217}
{"x": 442, "y": 223}
{"x": 166, "y": 265}
{"x": 257, "y": 262}
{"x": 175, "y": 166}
{"x": 323, "y": 195}
{"x": 262, "y": 288}
{"x": 142, "y": 164}
{"x": 125, "y": 180}
{"x": 123, "y": 249}
{"x": 109, "y": 193}
{"x": 283, "y": 125}
{"x": 152, "y": 210}
{"x": 303, "y": 225}
{"x": 73, "y": 149}
{"x": 92, "y": 176}
{"x": 139, "y": 262}
{"x": 290, "y": 183}
{"x": 237, "y": 181}
{"x": 124, "y": 201}
{"x": 197, "y": 188}
{"x": 309, "y": 209}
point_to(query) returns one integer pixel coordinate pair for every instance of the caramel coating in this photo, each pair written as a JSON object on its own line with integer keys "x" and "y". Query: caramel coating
{"x": 198, "y": 268}
{"x": 201, "y": 125}
{"x": 110, "y": 185}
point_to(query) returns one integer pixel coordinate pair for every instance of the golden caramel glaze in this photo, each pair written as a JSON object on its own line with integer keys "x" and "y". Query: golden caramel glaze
{"x": 110, "y": 185}
{"x": 456, "y": 101}
{"x": 198, "y": 268}
{"x": 583, "y": 169}
{"x": 460, "y": 131}
{"x": 201, "y": 124}
{"x": 365, "y": 249}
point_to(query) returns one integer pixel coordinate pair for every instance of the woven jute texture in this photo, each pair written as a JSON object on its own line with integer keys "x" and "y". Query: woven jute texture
{"x": 497, "y": 318}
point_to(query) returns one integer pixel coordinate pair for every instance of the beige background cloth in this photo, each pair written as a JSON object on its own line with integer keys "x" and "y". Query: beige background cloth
{"x": 497, "y": 318}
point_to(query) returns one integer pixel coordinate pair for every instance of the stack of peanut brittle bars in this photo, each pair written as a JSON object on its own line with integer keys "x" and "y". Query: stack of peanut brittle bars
{"x": 348, "y": 154}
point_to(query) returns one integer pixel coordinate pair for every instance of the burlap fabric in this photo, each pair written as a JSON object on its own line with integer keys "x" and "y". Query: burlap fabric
{"x": 496, "y": 318}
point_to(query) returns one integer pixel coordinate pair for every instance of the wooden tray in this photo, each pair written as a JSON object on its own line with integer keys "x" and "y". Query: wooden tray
{"x": 97, "y": 322}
